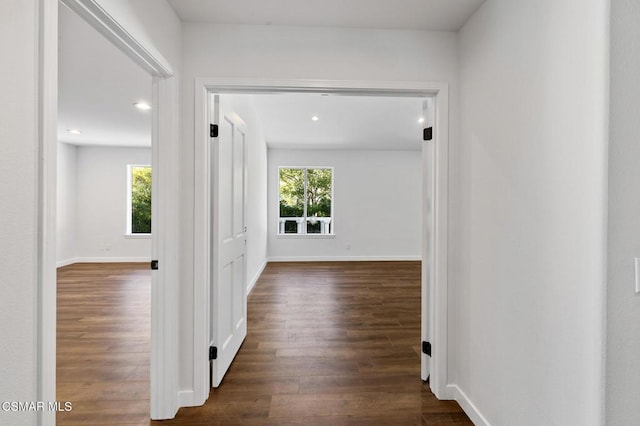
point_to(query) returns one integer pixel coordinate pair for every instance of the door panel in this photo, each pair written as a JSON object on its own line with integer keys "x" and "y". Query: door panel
{"x": 228, "y": 307}
{"x": 238, "y": 182}
{"x": 238, "y": 313}
{"x": 225, "y": 164}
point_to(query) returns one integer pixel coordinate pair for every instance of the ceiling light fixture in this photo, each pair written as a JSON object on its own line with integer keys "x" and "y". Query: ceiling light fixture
{"x": 315, "y": 118}
{"x": 142, "y": 105}
{"x": 74, "y": 131}
{"x": 421, "y": 120}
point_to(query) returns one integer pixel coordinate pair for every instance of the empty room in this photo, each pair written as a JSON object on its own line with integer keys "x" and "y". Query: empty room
{"x": 329, "y": 247}
{"x": 103, "y": 225}
{"x": 290, "y": 275}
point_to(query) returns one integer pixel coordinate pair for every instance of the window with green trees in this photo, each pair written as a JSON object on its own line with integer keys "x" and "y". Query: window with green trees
{"x": 139, "y": 213}
{"x": 306, "y": 200}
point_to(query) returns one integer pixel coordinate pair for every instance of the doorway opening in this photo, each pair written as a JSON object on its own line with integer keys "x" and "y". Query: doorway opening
{"x": 432, "y": 228}
{"x": 164, "y": 132}
{"x": 104, "y": 224}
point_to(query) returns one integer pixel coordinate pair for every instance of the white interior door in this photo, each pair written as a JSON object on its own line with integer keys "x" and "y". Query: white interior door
{"x": 428, "y": 237}
{"x": 228, "y": 304}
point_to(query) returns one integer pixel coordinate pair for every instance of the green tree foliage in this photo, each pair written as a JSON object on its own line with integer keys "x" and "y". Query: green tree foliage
{"x": 319, "y": 192}
{"x": 292, "y": 182}
{"x": 141, "y": 200}
{"x": 291, "y": 192}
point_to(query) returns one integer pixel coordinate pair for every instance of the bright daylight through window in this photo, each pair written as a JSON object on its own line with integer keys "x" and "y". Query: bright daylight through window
{"x": 139, "y": 197}
{"x": 306, "y": 196}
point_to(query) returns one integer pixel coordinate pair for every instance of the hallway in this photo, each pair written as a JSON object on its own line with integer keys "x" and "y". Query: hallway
{"x": 329, "y": 343}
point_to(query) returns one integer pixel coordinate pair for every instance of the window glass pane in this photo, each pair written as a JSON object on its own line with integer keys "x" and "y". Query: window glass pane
{"x": 291, "y": 199}
{"x": 318, "y": 201}
{"x": 140, "y": 200}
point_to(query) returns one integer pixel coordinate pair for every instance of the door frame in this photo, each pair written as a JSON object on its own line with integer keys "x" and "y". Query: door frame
{"x": 164, "y": 296}
{"x": 437, "y": 296}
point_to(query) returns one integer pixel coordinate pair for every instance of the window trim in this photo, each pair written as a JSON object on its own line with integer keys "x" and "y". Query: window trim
{"x": 128, "y": 224}
{"x": 303, "y": 235}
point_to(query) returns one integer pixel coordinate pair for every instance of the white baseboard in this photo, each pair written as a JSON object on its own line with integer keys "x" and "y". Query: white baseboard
{"x": 343, "y": 258}
{"x": 112, "y": 259}
{"x": 469, "y": 407}
{"x": 255, "y": 278}
{"x": 185, "y": 399}
{"x": 65, "y": 262}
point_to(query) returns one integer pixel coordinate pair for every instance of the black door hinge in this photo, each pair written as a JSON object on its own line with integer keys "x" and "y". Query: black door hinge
{"x": 154, "y": 265}
{"x": 213, "y": 130}
{"x": 427, "y": 134}
{"x": 213, "y": 353}
{"x": 426, "y": 348}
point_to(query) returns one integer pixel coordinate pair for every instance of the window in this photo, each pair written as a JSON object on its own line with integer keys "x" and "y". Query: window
{"x": 306, "y": 196}
{"x": 139, "y": 200}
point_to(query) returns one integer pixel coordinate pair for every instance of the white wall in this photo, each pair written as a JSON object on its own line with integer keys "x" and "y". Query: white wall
{"x": 528, "y": 273}
{"x": 18, "y": 195}
{"x": 623, "y": 308}
{"x": 66, "y": 208}
{"x": 376, "y": 206}
{"x": 102, "y": 205}
{"x": 153, "y": 24}
{"x": 274, "y": 52}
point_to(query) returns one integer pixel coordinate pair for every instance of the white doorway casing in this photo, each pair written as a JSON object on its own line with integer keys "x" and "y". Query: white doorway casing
{"x": 435, "y": 294}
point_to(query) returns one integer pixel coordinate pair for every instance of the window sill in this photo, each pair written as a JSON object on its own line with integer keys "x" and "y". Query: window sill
{"x": 306, "y": 236}
{"x": 138, "y": 236}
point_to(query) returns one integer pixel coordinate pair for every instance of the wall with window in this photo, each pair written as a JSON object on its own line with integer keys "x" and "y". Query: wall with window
{"x": 276, "y": 52}
{"x": 376, "y": 206}
{"x": 101, "y": 197}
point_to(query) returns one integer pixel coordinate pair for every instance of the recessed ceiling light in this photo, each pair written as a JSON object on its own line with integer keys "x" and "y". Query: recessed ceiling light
{"x": 421, "y": 120}
{"x": 315, "y": 118}
{"x": 142, "y": 105}
{"x": 74, "y": 131}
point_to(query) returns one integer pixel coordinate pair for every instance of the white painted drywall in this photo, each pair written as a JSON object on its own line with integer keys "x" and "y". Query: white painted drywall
{"x": 528, "y": 264}
{"x": 376, "y": 206}
{"x": 102, "y": 205}
{"x": 273, "y": 52}
{"x": 66, "y": 208}
{"x": 18, "y": 195}
{"x": 153, "y": 24}
{"x": 623, "y": 305}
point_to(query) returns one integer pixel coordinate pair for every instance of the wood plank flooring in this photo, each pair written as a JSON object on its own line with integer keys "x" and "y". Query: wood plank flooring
{"x": 103, "y": 343}
{"x": 328, "y": 343}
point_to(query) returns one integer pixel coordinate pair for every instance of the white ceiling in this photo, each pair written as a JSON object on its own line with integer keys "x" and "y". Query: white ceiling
{"x": 440, "y": 15}
{"x": 97, "y": 86}
{"x": 346, "y": 122}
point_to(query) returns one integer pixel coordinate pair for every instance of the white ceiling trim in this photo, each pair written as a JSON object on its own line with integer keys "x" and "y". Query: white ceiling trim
{"x": 434, "y": 15}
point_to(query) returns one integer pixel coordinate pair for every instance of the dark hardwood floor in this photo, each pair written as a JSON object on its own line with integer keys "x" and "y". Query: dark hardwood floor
{"x": 103, "y": 343}
{"x": 328, "y": 343}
